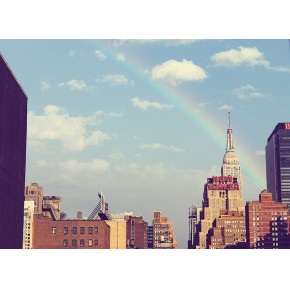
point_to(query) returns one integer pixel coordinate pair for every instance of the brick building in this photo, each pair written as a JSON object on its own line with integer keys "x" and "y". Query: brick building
{"x": 267, "y": 223}
{"x": 70, "y": 234}
{"x": 229, "y": 231}
{"x": 163, "y": 233}
{"x": 137, "y": 232}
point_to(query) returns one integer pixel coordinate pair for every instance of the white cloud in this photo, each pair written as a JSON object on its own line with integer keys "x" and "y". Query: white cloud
{"x": 73, "y": 53}
{"x": 144, "y": 105}
{"x": 44, "y": 86}
{"x": 176, "y": 72}
{"x": 247, "y": 92}
{"x": 166, "y": 42}
{"x": 260, "y": 153}
{"x": 158, "y": 146}
{"x": 115, "y": 80}
{"x": 56, "y": 125}
{"x": 73, "y": 168}
{"x": 121, "y": 56}
{"x": 74, "y": 85}
{"x": 117, "y": 155}
{"x": 225, "y": 107}
{"x": 241, "y": 56}
{"x": 101, "y": 56}
{"x": 280, "y": 69}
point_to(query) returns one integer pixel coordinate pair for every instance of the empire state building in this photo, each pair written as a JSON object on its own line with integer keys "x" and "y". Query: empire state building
{"x": 231, "y": 165}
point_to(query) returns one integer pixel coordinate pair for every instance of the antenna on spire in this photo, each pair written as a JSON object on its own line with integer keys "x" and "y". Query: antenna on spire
{"x": 229, "y": 114}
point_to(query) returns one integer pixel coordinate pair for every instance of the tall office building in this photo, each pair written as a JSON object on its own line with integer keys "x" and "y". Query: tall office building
{"x": 49, "y": 206}
{"x": 231, "y": 165}
{"x": 229, "y": 231}
{"x": 267, "y": 223}
{"x": 221, "y": 193}
{"x": 278, "y": 163}
{"x": 34, "y": 192}
{"x": 163, "y": 233}
{"x": 13, "y": 127}
{"x": 193, "y": 220}
{"x": 28, "y": 224}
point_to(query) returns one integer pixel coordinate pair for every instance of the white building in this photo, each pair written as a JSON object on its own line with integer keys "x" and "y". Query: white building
{"x": 28, "y": 224}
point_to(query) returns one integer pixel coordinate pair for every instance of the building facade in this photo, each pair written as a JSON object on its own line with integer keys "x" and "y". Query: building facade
{"x": 193, "y": 221}
{"x": 278, "y": 163}
{"x": 163, "y": 233}
{"x": 28, "y": 224}
{"x": 34, "y": 192}
{"x": 221, "y": 193}
{"x": 231, "y": 165}
{"x": 137, "y": 233}
{"x": 70, "y": 234}
{"x": 49, "y": 206}
{"x": 13, "y": 127}
{"x": 229, "y": 231}
{"x": 267, "y": 223}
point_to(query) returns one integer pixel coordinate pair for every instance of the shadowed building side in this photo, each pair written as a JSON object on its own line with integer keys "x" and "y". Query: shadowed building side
{"x": 13, "y": 127}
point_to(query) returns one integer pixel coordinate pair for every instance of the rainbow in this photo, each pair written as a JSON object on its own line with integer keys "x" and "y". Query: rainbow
{"x": 187, "y": 106}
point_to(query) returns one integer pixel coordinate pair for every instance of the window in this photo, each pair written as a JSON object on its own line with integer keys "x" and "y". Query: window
{"x": 65, "y": 243}
{"x": 96, "y": 242}
{"x": 65, "y": 230}
{"x": 54, "y": 230}
{"x": 90, "y": 242}
{"x": 96, "y": 229}
{"x": 74, "y": 243}
{"x": 74, "y": 230}
{"x": 90, "y": 230}
{"x": 82, "y": 230}
{"x": 82, "y": 243}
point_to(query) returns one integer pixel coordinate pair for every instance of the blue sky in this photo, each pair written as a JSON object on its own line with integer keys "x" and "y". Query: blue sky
{"x": 145, "y": 121}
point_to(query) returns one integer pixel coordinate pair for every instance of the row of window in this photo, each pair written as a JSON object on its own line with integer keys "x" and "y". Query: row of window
{"x": 82, "y": 243}
{"x": 75, "y": 230}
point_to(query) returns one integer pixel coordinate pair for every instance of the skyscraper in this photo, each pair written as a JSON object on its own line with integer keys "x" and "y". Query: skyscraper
{"x": 221, "y": 193}
{"x": 163, "y": 233}
{"x": 231, "y": 165}
{"x": 13, "y": 126}
{"x": 278, "y": 163}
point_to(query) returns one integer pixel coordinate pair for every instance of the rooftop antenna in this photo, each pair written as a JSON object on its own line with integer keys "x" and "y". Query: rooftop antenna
{"x": 229, "y": 115}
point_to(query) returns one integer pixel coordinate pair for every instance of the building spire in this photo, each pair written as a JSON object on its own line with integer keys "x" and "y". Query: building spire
{"x": 230, "y": 143}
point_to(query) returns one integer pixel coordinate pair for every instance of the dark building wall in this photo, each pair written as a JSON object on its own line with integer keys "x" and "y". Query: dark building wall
{"x": 278, "y": 163}
{"x": 136, "y": 233}
{"x": 13, "y": 124}
{"x": 51, "y": 234}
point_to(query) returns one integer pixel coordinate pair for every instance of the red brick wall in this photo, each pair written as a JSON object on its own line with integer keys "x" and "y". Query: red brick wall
{"x": 44, "y": 238}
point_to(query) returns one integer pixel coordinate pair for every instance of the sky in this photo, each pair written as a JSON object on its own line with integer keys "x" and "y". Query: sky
{"x": 113, "y": 116}
{"x": 144, "y": 121}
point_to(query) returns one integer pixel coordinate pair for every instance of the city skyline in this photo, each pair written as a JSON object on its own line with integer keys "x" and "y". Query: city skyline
{"x": 132, "y": 127}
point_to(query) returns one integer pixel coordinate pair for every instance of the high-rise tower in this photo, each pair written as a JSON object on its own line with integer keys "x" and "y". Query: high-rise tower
{"x": 231, "y": 165}
{"x": 221, "y": 194}
{"x": 13, "y": 123}
{"x": 278, "y": 163}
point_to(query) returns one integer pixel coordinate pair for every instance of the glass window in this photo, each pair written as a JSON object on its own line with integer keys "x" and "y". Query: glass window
{"x": 74, "y": 242}
{"x": 96, "y": 242}
{"x": 65, "y": 230}
{"x": 90, "y": 230}
{"x": 82, "y": 243}
{"x": 90, "y": 242}
{"x": 65, "y": 243}
{"x": 74, "y": 230}
{"x": 54, "y": 230}
{"x": 82, "y": 230}
{"x": 96, "y": 229}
